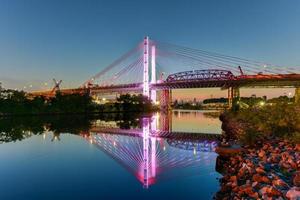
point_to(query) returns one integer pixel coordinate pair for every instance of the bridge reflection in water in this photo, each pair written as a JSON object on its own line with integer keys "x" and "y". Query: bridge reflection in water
{"x": 151, "y": 154}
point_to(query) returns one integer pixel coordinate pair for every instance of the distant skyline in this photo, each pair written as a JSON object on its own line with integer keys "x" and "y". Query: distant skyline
{"x": 73, "y": 40}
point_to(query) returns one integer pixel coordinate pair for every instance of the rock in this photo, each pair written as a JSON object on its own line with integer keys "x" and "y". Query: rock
{"x": 297, "y": 147}
{"x": 279, "y": 182}
{"x": 260, "y": 170}
{"x": 241, "y": 172}
{"x": 261, "y": 153}
{"x": 254, "y": 195}
{"x": 270, "y": 191}
{"x": 235, "y": 189}
{"x": 286, "y": 165}
{"x": 246, "y": 189}
{"x": 228, "y": 151}
{"x": 265, "y": 147}
{"x": 233, "y": 178}
{"x": 296, "y": 179}
{"x": 260, "y": 179}
{"x": 273, "y": 192}
{"x": 293, "y": 193}
{"x": 264, "y": 190}
{"x": 254, "y": 184}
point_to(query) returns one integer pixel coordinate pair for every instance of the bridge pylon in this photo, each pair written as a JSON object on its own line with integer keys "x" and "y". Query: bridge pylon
{"x": 153, "y": 72}
{"x": 146, "y": 68}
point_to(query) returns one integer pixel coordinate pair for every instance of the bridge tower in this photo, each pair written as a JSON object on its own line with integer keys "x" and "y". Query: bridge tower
{"x": 146, "y": 67}
{"x": 297, "y": 95}
{"x": 153, "y": 72}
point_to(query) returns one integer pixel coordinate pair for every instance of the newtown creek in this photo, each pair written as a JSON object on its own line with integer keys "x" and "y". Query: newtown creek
{"x": 157, "y": 156}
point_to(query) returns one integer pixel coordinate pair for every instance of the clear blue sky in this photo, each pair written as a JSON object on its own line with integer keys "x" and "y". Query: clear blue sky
{"x": 72, "y": 39}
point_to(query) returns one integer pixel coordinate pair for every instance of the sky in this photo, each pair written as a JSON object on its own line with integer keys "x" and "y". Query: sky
{"x": 72, "y": 40}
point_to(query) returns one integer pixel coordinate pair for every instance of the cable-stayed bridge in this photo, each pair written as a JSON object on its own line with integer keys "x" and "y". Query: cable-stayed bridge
{"x": 154, "y": 66}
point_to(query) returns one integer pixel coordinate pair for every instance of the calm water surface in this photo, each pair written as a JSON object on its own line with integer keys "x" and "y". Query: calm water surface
{"x": 154, "y": 157}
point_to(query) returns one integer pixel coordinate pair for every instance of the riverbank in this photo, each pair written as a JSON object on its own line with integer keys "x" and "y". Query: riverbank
{"x": 268, "y": 163}
{"x": 18, "y": 103}
{"x": 268, "y": 170}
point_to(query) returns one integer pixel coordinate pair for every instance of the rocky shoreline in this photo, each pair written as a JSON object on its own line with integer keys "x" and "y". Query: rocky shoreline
{"x": 270, "y": 169}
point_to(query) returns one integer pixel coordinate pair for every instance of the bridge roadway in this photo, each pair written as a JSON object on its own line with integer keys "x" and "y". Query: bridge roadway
{"x": 259, "y": 80}
{"x": 288, "y": 80}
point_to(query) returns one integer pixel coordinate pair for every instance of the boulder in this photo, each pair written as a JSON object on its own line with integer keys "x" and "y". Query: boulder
{"x": 261, "y": 153}
{"x": 293, "y": 193}
{"x": 260, "y": 170}
{"x": 279, "y": 182}
{"x": 260, "y": 179}
{"x": 296, "y": 179}
{"x": 297, "y": 147}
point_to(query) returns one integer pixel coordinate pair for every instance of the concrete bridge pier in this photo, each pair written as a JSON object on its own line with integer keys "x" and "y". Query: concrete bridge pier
{"x": 233, "y": 96}
{"x": 297, "y": 95}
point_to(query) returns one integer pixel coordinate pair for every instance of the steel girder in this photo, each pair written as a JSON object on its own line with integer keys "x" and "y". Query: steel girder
{"x": 201, "y": 75}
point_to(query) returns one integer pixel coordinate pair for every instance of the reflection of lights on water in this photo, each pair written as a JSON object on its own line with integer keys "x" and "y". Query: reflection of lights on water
{"x": 44, "y": 136}
{"x": 55, "y": 137}
{"x": 195, "y": 152}
{"x": 164, "y": 148}
{"x": 115, "y": 144}
{"x": 91, "y": 141}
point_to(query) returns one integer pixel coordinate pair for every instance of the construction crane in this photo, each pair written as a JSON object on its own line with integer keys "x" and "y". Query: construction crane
{"x": 56, "y": 86}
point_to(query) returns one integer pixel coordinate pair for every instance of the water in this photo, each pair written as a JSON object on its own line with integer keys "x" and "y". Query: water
{"x": 110, "y": 157}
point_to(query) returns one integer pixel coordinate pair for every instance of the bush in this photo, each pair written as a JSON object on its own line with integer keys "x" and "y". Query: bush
{"x": 280, "y": 120}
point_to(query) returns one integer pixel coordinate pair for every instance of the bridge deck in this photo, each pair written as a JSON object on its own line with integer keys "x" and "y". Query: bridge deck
{"x": 260, "y": 80}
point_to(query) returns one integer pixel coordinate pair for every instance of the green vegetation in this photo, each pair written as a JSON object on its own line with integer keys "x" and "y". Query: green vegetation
{"x": 127, "y": 102}
{"x": 264, "y": 120}
{"x": 215, "y": 100}
{"x": 14, "y": 102}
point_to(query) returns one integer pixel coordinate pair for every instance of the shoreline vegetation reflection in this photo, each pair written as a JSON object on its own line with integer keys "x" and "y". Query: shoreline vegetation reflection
{"x": 19, "y": 127}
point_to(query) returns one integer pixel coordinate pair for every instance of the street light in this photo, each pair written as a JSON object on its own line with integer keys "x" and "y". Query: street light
{"x": 262, "y": 103}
